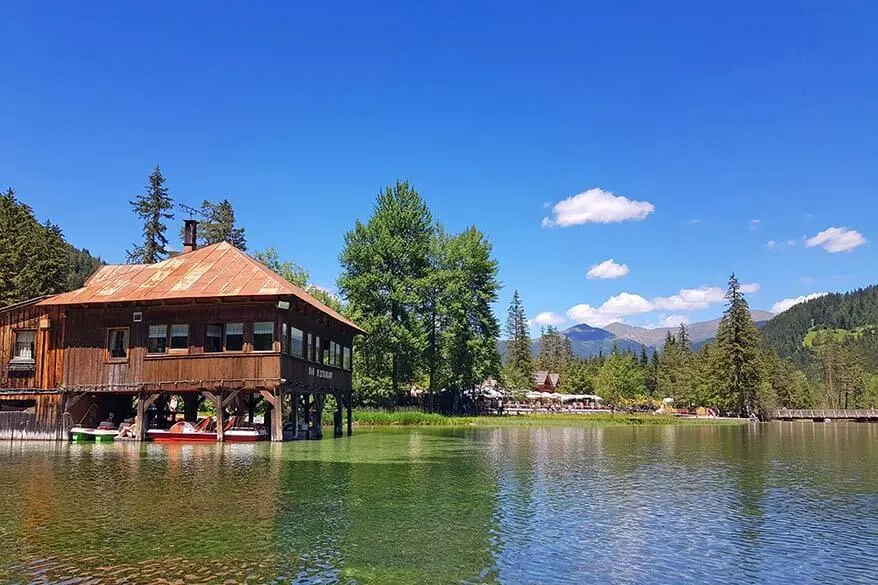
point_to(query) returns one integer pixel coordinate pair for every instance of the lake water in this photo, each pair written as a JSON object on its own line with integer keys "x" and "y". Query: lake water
{"x": 769, "y": 503}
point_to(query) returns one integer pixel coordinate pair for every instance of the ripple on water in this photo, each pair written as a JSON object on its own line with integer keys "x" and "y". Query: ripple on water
{"x": 773, "y": 504}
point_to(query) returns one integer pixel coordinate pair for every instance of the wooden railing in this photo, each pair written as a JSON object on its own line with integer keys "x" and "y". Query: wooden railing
{"x": 830, "y": 413}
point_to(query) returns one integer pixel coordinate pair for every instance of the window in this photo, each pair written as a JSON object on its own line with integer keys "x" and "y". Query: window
{"x": 117, "y": 343}
{"x": 263, "y": 336}
{"x": 213, "y": 338}
{"x": 234, "y": 336}
{"x": 179, "y": 337}
{"x": 337, "y": 355}
{"x": 327, "y": 352}
{"x": 24, "y": 346}
{"x": 309, "y": 348}
{"x": 285, "y": 338}
{"x": 296, "y": 342}
{"x": 318, "y": 352}
{"x": 157, "y": 339}
{"x": 333, "y": 353}
{"x": 346, "y": 358}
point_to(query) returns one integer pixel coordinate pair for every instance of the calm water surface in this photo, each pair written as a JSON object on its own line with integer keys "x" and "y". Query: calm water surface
{"x": 781, "y": 503}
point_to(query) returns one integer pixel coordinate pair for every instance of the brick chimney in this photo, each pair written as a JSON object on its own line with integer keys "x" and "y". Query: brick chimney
{"x": 190, "y": 235}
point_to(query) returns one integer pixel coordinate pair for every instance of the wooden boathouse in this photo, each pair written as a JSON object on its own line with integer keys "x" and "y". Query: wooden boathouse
{"x": 208, "y": 324}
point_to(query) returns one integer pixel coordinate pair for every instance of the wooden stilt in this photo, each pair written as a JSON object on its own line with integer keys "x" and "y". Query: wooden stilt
{"x": 219, "y": 400}
{"x": 350, "y": 414}
{"x": 277, "y": 417}
{"x": 140, "y": 419}
{"x": 318, "y": 418}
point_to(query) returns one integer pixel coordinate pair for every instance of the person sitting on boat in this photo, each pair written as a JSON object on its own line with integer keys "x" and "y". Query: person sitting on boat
{"x": 107, "y": 424}
{"x": 128, "y": 429}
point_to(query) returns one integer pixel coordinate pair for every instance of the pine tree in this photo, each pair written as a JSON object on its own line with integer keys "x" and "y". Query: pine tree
{"x": 739, "y": 353}
{"x": 34, "y": 257}
{"x": 385, "y": 262}
{"x": 287, "y": 269}
{"x": 153, "y": 207}
{"x": 470, "y": 329}
{"x": 219, "y": 225}
{"x": 519, "y": 360}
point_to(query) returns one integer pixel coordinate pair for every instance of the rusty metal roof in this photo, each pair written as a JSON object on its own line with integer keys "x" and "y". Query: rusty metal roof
{"x": 216, "y": 271}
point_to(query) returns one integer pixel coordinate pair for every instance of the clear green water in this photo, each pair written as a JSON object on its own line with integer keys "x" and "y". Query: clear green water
{"x": 782, "y": 503}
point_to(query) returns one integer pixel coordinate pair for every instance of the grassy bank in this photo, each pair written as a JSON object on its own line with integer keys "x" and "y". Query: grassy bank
{"x": 381, "y": 418}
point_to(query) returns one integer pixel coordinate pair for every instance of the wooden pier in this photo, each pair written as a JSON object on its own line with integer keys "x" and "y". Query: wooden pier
{"x": 827, "y": 414}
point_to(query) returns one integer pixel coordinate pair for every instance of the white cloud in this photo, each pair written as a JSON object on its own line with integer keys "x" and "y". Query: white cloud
{"x": 783, "y": 305}
{"x": 614, "y": 309}
{"x": 624, "y": 304}
{"x": 694, "y": 221}
{"x": 690, "y": 299}
{"x": 777, "y": 245}
{"x": 547, "y": 318}
{"x": 596, "y": 206}
{"x": 837, "y": 239}
{"x": 607, "y": 269}
{"x": 669, "y": 321}
{"x": 754, "y": 224}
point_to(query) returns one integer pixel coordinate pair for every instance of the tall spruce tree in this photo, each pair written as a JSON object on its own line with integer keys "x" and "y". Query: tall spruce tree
{"x": 384, "y": 265}
{"x": 739, "y": 353}
{"x": 519, "y": 360}
{"x": 153, "y": 207}
{"x": 470, "y": 328}
{"x": 218, "y": 225}
{"x": 34, "y": 257}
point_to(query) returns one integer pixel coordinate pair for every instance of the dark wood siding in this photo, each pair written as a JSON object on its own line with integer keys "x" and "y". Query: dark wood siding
{"x": 48, "y": 325}
{"x": 301, "y": 373}
{"x": 87, "y": 364}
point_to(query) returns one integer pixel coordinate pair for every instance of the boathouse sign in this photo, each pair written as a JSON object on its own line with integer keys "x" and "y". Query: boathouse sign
{"x": 325, "y": 374}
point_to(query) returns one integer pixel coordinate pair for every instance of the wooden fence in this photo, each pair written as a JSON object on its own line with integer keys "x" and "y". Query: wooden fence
{"x": 24, "y": 426}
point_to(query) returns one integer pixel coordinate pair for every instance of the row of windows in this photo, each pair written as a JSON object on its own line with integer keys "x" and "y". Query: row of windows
{"x": 229, "y": 337}
{"x": 296, "y": 342}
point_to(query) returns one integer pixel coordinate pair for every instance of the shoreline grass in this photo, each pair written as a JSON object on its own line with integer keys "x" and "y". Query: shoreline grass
{"x": 381, "y": 418}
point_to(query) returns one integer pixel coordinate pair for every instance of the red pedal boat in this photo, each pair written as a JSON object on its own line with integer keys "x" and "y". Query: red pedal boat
{"x": 205, "y": 432}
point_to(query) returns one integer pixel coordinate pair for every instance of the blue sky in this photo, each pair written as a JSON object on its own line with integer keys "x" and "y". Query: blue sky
{"x": 704, "y": 116}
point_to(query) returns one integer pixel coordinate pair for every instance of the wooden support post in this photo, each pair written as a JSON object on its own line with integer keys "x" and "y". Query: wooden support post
{"x": 220, "y": 415}
{"x": 307, "y": 415}
{"x": 140, "y": 419}
{"x": 294, "y": 414}
{"x": 350, "y": 414}
{"x": 338, "y": 416}
{"x": 275, "y": 399}
{"x": 318, "y": 418}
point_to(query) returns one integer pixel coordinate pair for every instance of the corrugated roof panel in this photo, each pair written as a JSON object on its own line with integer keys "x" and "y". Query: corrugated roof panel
{"x": 220, "y": 270}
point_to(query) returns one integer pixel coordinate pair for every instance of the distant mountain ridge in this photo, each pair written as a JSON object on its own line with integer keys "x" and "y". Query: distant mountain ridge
{"x": 698, "y": 331}
{"x": 588, "y": 341}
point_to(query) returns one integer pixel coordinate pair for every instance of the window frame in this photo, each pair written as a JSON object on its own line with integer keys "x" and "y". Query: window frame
{"x": 222, "y": 338}
{"x": 253, "y": 337}
{"x": 302, "y": 342}
{"x": 32, "y": 360}
{"x": 226, "y": 337}
{"x": 309, "y": 346}
{"x": 148, "y": 337}
{"x": 108, "y": 356}
{"x": 179, "y": 350}
{"x": 347, "y": 358}
{"x": 286, "y": 341}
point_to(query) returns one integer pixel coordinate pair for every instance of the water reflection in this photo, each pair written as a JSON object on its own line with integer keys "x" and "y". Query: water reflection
{"x": 787, "y": 502}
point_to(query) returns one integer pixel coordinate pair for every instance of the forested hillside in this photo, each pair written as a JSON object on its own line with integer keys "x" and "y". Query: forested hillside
{"x": 786, "y": 332}
{"x": 35, "y": 259}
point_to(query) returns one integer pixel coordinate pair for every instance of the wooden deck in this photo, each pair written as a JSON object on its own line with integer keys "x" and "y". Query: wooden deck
{"x": 822, "y": 414}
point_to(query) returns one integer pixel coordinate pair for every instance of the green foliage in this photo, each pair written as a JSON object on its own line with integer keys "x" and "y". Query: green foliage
{"x": 675, "y": 377}
{"x": 519, "y": 368}
{"x": 469, "y": 329}
{"x": 785, "y": 332}
{"x": 35, "y": 259}
{"x": 556, "y": 352}
{"x": 287, "y": 269}
{"x": 739, "y": 354}
{"x": 82, "y": 265}
{"x": 385, "y": 262}
{"x": 424, "y": 296}
{"x": 383, "y": 418}
{"x": 218, "y": 225}
{"x": 619, "y": 377}
{"x": 153, "y": 207}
